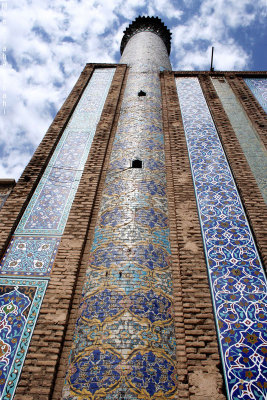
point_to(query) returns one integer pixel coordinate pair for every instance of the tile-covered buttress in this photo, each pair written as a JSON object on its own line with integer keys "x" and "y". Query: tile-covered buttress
{"x": 124, "y": 340}
{"x": 258, "y": 87}
{"x": 237, "y": 280}
{"x": 27, "y": 263}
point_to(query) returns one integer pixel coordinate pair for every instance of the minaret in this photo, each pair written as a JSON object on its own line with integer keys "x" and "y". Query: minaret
{"x": 124, "y": 342}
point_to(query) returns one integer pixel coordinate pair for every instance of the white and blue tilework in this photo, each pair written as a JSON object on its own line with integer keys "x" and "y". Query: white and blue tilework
{"x": 33, "y": 248}
{"x": 48, "y": 210}
{"x": 252, "y": 146}
{"x": 124, "y": 339}
{"x": 258, "y": 87}
{"x": 237, "y": 280}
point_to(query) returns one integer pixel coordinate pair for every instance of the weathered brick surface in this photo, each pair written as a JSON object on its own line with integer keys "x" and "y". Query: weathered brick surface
{"x": 6, "y": 187}
{"x": 63, "y": 364}
{"x": 201, "y": 361}
{"x": 182, "y": 366}
{"x": 250, "y": 194}
{"x": 42, "y": 362}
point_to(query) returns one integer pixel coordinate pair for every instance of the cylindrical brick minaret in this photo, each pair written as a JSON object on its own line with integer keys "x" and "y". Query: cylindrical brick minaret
{"x": 124, "y": 343}
{"x": 146, "y": 45}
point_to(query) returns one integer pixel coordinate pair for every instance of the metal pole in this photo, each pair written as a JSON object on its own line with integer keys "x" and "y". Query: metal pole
{"x": 211, "y": 63}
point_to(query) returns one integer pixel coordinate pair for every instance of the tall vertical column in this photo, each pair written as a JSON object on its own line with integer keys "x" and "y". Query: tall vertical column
{"x": 124, "y": 341}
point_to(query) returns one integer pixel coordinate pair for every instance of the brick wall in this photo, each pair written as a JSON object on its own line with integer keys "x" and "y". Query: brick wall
{"x": 250, "y": 194}
{"x": 68, "y": 340}
{"x": 20, "y": 196}
{"x": 250, "y": 104}
{"x": 197, "y": 341}
{"x": 41, "y": 365}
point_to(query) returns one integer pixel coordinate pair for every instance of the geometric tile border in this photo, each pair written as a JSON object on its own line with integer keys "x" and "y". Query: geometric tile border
{"x": 29, "y": 256}
{"x": 258, "y": 87}
{"x": 237, "y": 279}
{"x": 20, "y": 302}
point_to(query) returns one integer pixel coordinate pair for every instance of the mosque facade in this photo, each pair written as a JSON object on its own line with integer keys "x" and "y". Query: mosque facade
{"x": 133, "y": 245}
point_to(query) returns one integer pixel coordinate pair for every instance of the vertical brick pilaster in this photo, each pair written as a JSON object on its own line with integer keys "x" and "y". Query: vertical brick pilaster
{"x": 42, "y": 362}
{"x": 181, "y": 355}
{"x": 68, "y": 340}
{"x": 203, "y": 364}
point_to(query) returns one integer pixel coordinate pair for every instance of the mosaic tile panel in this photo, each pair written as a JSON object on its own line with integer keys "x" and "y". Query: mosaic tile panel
{"x": 33, "y": 248}
{"x": 20, "y": 302}
{"x": 48, "y": 210}
{"x": 29, "y": 256}
{"x": 124, "y": 340}
{"x": 258, "y": 87}
{"x": 238, "y": 283}
{"x": 252, "y": 146}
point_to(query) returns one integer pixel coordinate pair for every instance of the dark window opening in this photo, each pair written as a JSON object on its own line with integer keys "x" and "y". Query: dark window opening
{"x": 141, "y": 93}
{"x": 137, "y": 164}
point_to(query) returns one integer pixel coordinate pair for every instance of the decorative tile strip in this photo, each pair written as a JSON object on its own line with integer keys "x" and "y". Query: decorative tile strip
{"x": 29, "y": 256}
{"x": 20, "y": 302}
{"x": 48, "y": 210}
{"x": 252, "y": 146}
{"x": 237, "y": 280}
{"x": 124, "y": 341}
{"x": 33, "y": 248}
{"x": 258, "y": 87}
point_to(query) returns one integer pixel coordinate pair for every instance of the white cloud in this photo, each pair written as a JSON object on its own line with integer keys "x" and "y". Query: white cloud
{"x": 214, "y": 24}
{"x": 51, "y": 41}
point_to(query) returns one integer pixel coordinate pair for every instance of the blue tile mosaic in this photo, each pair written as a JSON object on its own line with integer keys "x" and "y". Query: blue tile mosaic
{"x": 124, "y": 340}
{"x": 251, "y": 144}
{"x": 237, "y": 280}
{"x": 20, "y": 302}
{"x": 48, "y": 210}
{"x": 33, "y": 248}
{"x": 29, "y": 256}
{"x": 258, "y": 87}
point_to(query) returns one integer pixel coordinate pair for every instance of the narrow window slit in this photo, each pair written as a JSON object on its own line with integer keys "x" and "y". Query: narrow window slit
{"x": 141, "y": 93}
{"x": 137, "y": 164}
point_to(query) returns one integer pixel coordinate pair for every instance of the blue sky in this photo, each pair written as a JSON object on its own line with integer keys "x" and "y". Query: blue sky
{"x": 47, "y": 44}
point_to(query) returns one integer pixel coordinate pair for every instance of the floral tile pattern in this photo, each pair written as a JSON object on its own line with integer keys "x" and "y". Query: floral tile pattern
{"x": 248, "y": 138}
{"x": 124, "y": 341}
{"x": 237, "y": 280}
{"x": 50, "y": 205}
{"x": 258, "y": 87}
{"x": 29, "y": 256}
{"x": 20, "y": 302}
{"x": 32, "y": 250}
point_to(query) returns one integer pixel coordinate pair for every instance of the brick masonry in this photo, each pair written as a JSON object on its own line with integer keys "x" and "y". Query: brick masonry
{"x": 6, "y": 186}
{"x": 199, "y": 367}
{"x": 39, "y": 372}
{"x": 68, "y": 340}
{"x": 253, "y": 202}
{"x": 250, "y": 104}
{"x": 21, "y": 194}
{"x": 196, "y": 329}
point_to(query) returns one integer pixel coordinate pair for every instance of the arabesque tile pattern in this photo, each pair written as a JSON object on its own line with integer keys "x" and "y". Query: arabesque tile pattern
{"x": 124, "y": 341}
{"x": 238, "y": 283}
{"x": 258, "y": 87}
{"x": 33, "y": 248}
